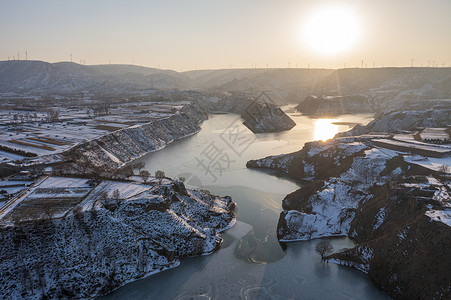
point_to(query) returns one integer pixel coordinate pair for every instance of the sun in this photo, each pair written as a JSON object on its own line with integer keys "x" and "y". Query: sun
{"x": 331, "y": 30}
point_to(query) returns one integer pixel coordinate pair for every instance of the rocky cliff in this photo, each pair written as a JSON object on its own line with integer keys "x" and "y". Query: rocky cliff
{"x": 315, "y": 160}
{"x": 404, "y": 238}
{"x": 265, "y": 117}
{"x": 106, "y": 241}
{"x": 115, "y": 149}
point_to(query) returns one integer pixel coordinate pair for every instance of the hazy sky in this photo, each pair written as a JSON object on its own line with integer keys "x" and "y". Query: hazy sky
{"x": 188, "y": 34}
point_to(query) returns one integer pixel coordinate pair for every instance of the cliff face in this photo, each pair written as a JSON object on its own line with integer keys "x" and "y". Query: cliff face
{"x": 264, "y": 117}
{"x": 317, "y": 159}
{"x": 111, "y": 151}
{"x": 401, "y": 245}
{"x": 313, "y": 105}
{"x": 105, "y": 242}
{"x": 398, "y": 214}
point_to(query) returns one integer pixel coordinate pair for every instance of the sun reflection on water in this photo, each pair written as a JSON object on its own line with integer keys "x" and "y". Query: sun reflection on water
{"x": 324, "y": 129}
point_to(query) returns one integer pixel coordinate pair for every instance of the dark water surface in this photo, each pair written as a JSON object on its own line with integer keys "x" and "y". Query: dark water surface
{"x": 251, "y": 263}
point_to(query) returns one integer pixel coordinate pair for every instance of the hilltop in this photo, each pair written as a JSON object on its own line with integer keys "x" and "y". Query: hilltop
{"x": 387, "y": 87}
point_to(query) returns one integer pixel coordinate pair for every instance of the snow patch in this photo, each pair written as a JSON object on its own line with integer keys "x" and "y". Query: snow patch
{"x": 443, "y": 216}
{"x": 380, "y": 217}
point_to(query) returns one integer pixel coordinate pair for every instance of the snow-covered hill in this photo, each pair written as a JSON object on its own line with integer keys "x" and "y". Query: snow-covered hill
{"x": 397, "y": 121}
{"x": 104, "y": 241}
{"x": 37, "y": 77}
{"x": 388, "y": 88}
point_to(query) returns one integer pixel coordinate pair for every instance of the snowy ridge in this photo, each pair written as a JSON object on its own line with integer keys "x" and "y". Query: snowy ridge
{"x": 397, "y": 121}
{"x": 122, "y": 146}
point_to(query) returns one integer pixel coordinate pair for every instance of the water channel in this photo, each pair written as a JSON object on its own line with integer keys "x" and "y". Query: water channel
{"x": 251, "y": 263}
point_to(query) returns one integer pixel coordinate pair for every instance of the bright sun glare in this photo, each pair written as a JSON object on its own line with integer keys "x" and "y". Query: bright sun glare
{"x": 331, "y": 30}
{"x": 324, "y": 129}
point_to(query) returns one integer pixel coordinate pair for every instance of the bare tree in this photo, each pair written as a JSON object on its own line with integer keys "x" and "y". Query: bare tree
{"x": 324, "y": 248}
{"x": 310, "y": 230}
{"x": 49, "y": 210}
{"x": 52, "y": 115}
{"x": 139, "y": 165}
{"x": 144, "y": 175}
{"x": 116, "y": 194}
{"x": 444, "y": 168}
{"x": 38, "y": 169}
{"x": 159, "y": 175}
{"x": 127, "y": 171}
{"x": 112, "y": 202}
{"x": 103, "y": 196}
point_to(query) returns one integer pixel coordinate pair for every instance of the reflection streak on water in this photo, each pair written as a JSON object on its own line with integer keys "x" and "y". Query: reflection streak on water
{"x": 324, "y": 129}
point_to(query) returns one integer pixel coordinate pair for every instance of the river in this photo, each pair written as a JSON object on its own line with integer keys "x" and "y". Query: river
{"x": 251, "y": 263}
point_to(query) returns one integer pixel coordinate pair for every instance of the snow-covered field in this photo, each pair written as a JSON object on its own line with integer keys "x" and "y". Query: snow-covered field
{"x": 36, "y": 135}
{"x": 433, "y": 163}
{"x": 6, "y": 156}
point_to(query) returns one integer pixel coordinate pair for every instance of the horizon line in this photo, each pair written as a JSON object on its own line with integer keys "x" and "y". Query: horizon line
{"x": 231, "y": 68}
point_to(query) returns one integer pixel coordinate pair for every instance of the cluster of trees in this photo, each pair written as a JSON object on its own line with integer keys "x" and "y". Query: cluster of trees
{"x": 111, "y": 202}
{"x": 85, "y": 167}
{"x": 51, "y": 115}
{"x": 28, "y": 117}
{"x": 129, "y": 171}
{"x": 17, "y": 151}
{"x": 100, "y": 109}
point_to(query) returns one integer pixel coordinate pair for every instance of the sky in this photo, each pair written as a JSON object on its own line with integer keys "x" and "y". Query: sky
{"x": 214, "y": 34}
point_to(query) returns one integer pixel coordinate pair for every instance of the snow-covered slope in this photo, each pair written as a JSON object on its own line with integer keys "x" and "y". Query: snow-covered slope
{"x": 398, "y": 214}
{"x": 108, "y": 152}
{"x": 106, "y": 241}
{"x": 36, "y": 77}
{"x": 399, "y": 120}
{"x": 389, "y": 87}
